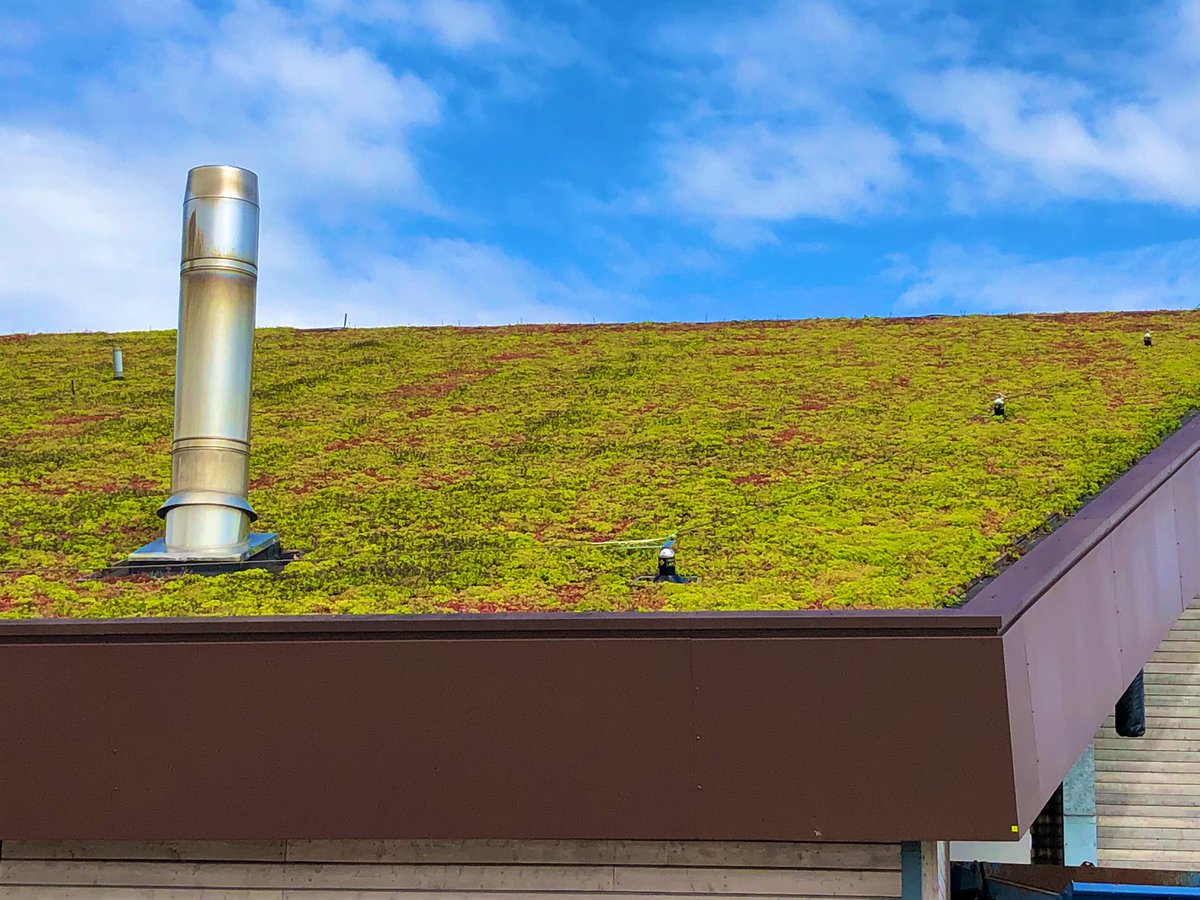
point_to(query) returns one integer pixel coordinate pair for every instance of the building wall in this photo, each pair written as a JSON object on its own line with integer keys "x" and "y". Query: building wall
{"x": 472, "y": 870}
{"x": 1148, "y": 788}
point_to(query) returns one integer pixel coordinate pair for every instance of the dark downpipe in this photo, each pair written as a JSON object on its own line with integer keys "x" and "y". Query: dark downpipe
{"x": 1131, "y": 709}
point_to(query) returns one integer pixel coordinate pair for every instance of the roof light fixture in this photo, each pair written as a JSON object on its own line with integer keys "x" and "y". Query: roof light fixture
{"x": 666, "y": 568}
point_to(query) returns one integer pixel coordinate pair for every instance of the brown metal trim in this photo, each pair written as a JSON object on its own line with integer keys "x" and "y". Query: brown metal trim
{"x": 1020, "y": 586}
{"x": 1089, "y": 605}
{"x": 586, "y": 626}
{"x": 622, "y": 738}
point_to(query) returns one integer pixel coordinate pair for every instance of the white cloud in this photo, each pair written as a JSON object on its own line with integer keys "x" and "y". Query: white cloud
{"x": 513, "y": 50}
{"x": 86, "y": 241}
{"x": 463, "y": 23}
{"x": 90, "y": 206}
{"x": 453, "y": 24}
{"x": 1053, "y": 130}
{"x": 431, "y": 282}
{"x": 318, "y": 117}
{"x": 450, "y": 281}
{"x": 310, "y": 94}
{"x": 793, "y": 56}
{"x": 1115, "y": 121}
{"x": 980, "y": 278}
{"x": 758, "y": 172}
{"x": 767, "y": 135}
{"x": 91, "y": 241}
{"x": 977, "y": 117}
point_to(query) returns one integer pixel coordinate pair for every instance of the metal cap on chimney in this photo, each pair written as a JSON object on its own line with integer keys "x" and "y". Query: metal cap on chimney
{"x": 208, "y": 514}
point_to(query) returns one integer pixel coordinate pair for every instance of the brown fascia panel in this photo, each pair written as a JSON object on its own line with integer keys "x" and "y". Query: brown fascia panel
{"x": 1086, "y": 608}
{"x": 799, "y": 726}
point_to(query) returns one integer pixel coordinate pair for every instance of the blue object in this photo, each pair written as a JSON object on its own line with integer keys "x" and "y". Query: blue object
{"x": 1079, "y": 890}
{"x": 995, "y": 881}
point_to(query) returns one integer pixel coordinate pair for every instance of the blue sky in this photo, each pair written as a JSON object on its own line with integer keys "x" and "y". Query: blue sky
{"x": 492, "y": 161}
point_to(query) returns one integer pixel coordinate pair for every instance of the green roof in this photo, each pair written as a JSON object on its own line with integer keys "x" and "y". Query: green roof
{"x": 823, "y": 463}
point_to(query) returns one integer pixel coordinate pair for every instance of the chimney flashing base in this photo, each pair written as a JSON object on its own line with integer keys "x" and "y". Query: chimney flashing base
{"x": 263, "y": 551}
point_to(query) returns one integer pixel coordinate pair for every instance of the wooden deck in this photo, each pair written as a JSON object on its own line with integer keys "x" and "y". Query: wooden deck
{"x": 1148, "y": 789}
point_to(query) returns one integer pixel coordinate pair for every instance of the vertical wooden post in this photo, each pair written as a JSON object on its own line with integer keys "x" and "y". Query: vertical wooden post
{"x": 925, "y": 870}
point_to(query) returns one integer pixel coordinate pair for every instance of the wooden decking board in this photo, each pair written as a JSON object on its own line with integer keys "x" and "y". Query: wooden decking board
{"x": 1149, "y": 837}
{"x": 1158, "y": 854}
{"x": 1171, "y": 749}
{"x": 1163, "y": 768}
{"x": 1141, "y": 842}
{"x": 1138, "y": 782}
{"x": 1186, "y": 734}
{"x": 1155, "y": 811}
{"x": 61, "y": 892}
{"x": 1176, "y": 653}
{"x": 1149, "y": 826}
{"x": 1159, "y": 712}
{"x": 1170, "y": 667}
{"x": 885, "y": 857}
{"x": 1173, "y": 687}
{"x": 194, "y": 851}
{"x": 1177, "y": 728}
{"x": 1120, "y": 862}
{"x": 667, "y": 853}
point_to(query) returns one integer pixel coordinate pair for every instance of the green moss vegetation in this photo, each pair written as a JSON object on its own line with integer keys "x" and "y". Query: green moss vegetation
{"x": 831, "y": 463}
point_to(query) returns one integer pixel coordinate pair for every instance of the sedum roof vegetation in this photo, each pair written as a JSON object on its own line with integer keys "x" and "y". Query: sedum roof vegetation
{"x": 827, "y": 463}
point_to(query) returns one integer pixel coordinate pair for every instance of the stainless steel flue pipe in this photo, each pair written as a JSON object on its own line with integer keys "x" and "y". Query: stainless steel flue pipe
{"x": 208, "y": 515}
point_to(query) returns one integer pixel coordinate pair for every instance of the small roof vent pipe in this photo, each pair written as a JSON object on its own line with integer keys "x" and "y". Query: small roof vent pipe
{"x": 208, "y": 514}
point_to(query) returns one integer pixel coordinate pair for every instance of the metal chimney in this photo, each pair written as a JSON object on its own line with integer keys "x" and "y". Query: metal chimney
{"x": 208, "y": 515}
